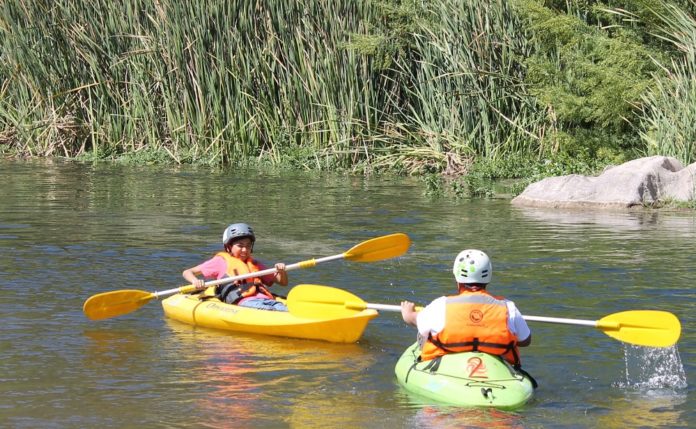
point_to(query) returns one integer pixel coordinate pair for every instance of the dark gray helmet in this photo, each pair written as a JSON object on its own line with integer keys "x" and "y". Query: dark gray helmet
{"x": 237, "y": 230}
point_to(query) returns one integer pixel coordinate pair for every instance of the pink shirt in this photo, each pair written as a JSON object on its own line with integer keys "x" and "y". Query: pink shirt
{"x": 217, "y": 267}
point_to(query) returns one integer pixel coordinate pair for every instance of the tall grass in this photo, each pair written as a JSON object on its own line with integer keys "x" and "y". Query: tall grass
{"x": 468, "y": 83}
{"x": 226, "y": 81}
{"x": 464, "y": 94}
{"x": 215, "y": 80}
{"x": 669, "y": 108}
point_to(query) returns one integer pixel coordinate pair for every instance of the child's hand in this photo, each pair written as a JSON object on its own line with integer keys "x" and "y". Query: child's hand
{"x": 281, "y": 276}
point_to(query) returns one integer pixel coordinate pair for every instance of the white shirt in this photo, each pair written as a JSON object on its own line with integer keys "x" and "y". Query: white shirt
{"x": 431, "y": 319}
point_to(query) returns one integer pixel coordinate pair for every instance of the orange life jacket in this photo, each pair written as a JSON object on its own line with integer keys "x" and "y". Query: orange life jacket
{"x": 474, "y": 321}
{"x": 250, "y": 286}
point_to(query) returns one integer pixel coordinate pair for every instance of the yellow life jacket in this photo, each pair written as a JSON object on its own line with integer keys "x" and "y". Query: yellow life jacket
{"x": 250, "y": 286}
{"x": 474, "y": 321}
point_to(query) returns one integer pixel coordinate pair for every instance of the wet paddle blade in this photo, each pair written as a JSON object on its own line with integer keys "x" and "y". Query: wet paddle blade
{"x": 648, "y": 328}
{"x": 116, "y": 303}
{"x": 323, "y": 302}
{"x": 380, "y": 248}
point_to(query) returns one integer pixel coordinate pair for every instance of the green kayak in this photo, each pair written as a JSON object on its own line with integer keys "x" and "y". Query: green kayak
{"x": 470, "y": 379}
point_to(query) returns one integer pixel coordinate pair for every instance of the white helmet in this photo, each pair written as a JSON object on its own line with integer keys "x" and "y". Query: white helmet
{"x": 472, "y": 266}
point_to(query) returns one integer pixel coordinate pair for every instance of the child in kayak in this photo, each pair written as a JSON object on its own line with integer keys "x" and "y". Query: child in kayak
{"x": 238, "y": 241}
{"x": 472, "y": 320}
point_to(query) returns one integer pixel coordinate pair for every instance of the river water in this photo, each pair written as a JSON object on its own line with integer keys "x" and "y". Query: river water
{"x": 71, "y": 230}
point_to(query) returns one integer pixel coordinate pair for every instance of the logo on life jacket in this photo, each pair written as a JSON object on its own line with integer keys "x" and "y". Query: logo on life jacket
{"x": 476, "y": 316}
{"x": 474, "y": 321}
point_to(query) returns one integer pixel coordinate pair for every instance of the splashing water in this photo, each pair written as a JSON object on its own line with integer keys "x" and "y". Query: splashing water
{"x": 653, "y": 368}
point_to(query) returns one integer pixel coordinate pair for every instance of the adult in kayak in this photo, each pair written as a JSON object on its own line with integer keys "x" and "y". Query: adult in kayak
{"x": 238, "y": 240}
{"x": 472, "y": 320}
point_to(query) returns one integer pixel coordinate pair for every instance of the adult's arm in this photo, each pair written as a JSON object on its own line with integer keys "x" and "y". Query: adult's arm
{"x": 408, "y": 313}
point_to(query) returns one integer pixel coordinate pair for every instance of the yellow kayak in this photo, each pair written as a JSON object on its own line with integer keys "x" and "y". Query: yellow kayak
{"x": 202, "y": 310}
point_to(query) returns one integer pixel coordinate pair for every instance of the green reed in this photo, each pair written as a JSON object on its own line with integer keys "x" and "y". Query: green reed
{"x": 465, "y": 93}
{"x": 669, "y": 108}
{"x": 468, "y": 84}
{"x": 215, "y": 80}
{"x": 225, "y": 82}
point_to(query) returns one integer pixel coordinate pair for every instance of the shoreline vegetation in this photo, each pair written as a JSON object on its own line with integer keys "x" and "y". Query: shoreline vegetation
{"x": 460, "y": 93}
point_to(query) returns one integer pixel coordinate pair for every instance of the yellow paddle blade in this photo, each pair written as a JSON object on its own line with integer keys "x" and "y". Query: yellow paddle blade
{"x": 322, "y": 302}
{"x": 115, "y": 303}
{"x": 377, "y": 249}
{"x": 650, "y": 328}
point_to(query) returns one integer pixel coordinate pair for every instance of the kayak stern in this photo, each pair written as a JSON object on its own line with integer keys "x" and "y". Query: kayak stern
{"x": 470, "y": 379}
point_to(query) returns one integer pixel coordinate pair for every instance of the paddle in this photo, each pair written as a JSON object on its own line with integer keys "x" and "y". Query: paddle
{"x": 111, "y": 304}
{"x": 649, "y": 328}
{"x": 319, "y": 302}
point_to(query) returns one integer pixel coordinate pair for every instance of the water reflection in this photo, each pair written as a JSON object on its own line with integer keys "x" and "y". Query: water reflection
{"x": 651, "y": 408}
{"x": 438, "y": 417}
{"x": 111, "y": 347}
{"x": 247, "y": 376}
{"x": 633, "y": 220}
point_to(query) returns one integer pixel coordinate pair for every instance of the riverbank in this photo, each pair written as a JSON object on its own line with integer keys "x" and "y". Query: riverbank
{"x": 458, "y": 93}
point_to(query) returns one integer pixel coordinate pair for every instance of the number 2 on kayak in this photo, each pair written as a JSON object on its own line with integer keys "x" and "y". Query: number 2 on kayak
{"x": 476, "y": 368}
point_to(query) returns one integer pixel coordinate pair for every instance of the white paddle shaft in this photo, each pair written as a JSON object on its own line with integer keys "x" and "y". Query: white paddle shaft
{"x": 387, "y": 307}
{"x": 561, "y": 320}
{"x": 304, "y": 264}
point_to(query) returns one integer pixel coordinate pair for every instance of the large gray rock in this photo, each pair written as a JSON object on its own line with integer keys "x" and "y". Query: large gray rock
{"x": 641, "y": 182}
